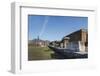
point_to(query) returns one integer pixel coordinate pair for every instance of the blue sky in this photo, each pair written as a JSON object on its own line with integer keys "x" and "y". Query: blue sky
{"x": 54, "y": 27}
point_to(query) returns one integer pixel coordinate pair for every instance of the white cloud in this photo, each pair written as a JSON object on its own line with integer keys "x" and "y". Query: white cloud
{"x": 44, "y": 26}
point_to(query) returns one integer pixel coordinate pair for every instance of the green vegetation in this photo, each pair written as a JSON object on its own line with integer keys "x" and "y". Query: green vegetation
{"x": 39, "y": 53}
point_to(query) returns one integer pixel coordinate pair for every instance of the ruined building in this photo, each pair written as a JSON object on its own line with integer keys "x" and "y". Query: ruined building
{"x": 77, "y": 41}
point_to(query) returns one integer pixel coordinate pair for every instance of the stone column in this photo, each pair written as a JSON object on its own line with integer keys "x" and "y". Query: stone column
{"x": 65, "y": 41}
{"x": 61, "y": 45}
{"x": 81, "y": 46}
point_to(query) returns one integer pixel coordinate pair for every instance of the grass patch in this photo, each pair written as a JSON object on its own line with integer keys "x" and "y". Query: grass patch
{"x": 39, "y": 53}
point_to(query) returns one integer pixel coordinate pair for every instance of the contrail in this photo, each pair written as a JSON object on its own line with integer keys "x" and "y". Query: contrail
{"x": 44, "y": 25}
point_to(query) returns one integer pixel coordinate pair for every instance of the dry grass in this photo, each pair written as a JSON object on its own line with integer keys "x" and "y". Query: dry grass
{"x": 39, "y": 53}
